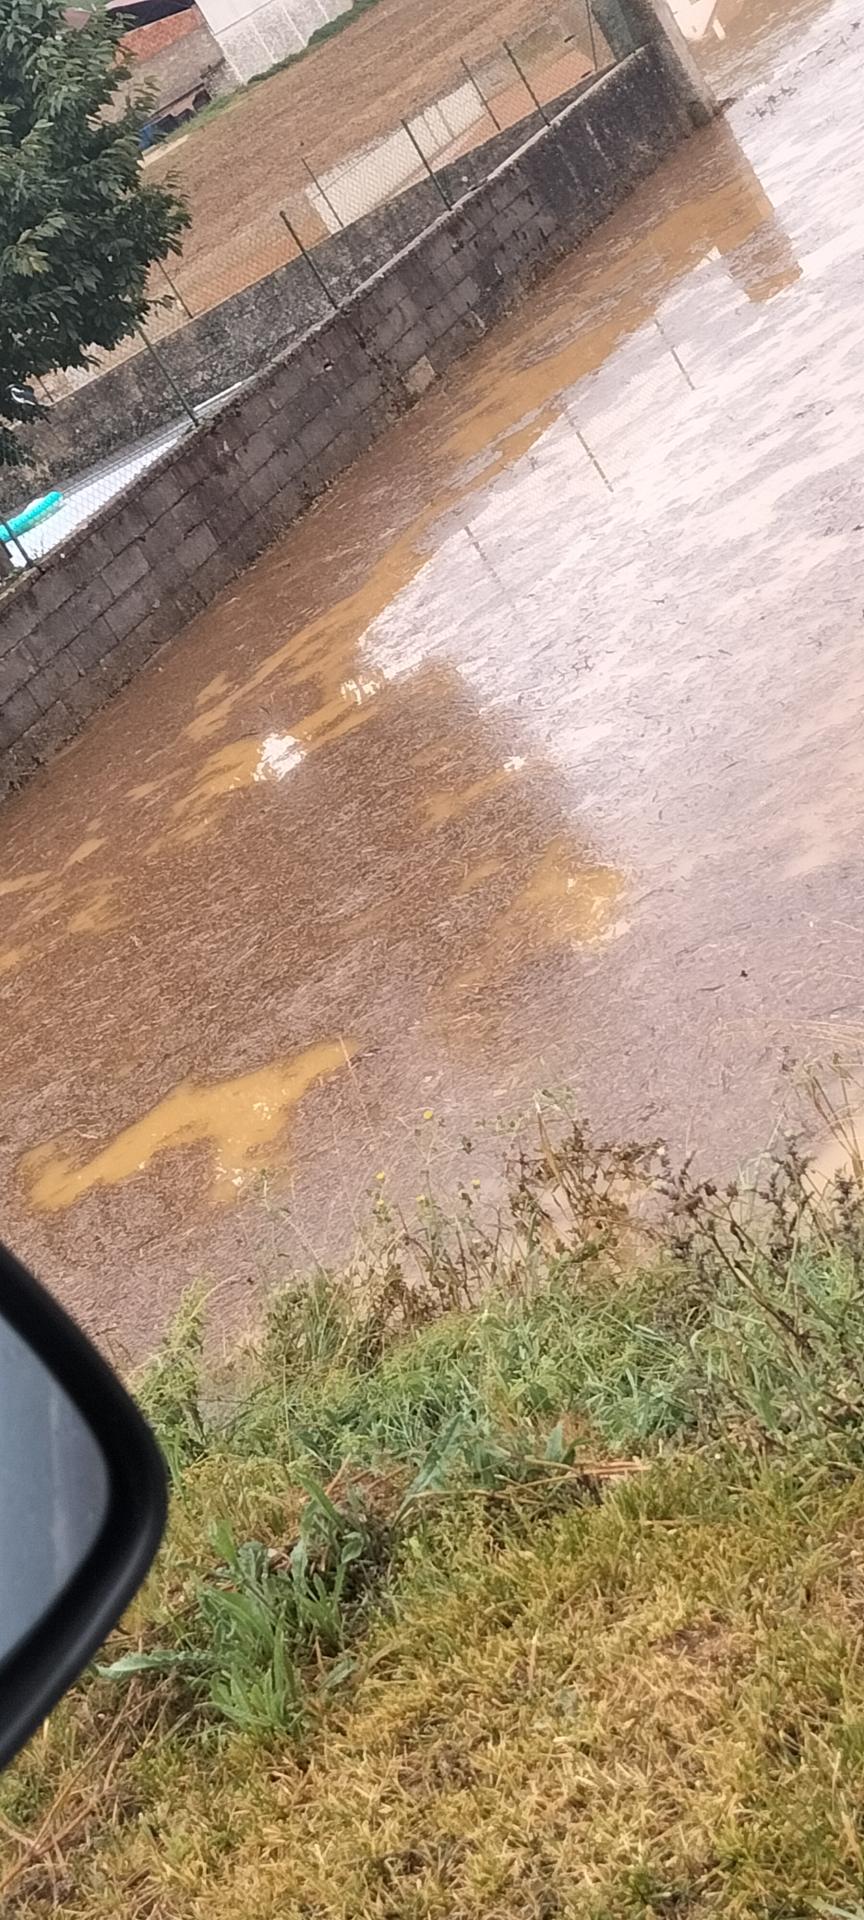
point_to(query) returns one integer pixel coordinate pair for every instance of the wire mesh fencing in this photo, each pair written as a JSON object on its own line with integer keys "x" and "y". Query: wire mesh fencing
{"x": 221, "y": 311}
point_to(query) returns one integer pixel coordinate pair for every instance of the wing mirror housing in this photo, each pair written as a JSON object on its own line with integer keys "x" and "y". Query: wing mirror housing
{"x": 82, "y": 1502}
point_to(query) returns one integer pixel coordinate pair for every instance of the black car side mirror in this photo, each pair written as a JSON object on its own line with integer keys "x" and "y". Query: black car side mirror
{"x": 82, "y": 1502}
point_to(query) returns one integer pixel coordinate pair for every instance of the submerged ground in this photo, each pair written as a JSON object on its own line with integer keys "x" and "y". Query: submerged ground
{"x": 532, "y": 755}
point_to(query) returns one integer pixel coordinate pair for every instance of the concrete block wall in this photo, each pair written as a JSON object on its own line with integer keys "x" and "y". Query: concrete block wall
{"x": 95, "y": 613}
{"x": 233, "y": 340}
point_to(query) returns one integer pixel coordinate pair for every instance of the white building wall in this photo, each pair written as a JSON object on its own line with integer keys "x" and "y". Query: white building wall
{"x": 254, "y": 34}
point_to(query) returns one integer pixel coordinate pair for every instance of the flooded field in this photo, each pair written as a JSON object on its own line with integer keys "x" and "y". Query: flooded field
{"x": 532, "y": 756}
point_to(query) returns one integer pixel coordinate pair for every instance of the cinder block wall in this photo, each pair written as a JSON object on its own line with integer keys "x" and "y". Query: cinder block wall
{"x": 231, "y": 341}
{"x": 128, "y": 582}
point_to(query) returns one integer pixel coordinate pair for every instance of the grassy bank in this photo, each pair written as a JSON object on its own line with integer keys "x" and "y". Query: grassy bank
{"x": 516, "y": 1571}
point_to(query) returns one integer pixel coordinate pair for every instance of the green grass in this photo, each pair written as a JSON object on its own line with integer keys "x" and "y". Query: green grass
{"x": 512, "y": 1573}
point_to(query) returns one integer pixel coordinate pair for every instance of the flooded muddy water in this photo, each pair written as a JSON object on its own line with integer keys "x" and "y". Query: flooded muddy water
{"x": 532, "y": 756}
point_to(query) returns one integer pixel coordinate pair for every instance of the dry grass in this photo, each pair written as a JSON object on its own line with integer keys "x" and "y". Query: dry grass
{"x": 653, "y": 1708}
{"x": 558, "y": 1598}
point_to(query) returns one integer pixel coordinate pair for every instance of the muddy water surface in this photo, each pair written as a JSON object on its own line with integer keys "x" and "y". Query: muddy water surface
{"x": 533, "y": 755}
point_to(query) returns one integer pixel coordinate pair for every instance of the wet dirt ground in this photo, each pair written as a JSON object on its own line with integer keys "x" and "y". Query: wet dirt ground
{"x": 532, "y": 756}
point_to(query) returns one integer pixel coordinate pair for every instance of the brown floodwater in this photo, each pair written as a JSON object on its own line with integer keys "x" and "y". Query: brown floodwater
{"x": 533, "y": 756}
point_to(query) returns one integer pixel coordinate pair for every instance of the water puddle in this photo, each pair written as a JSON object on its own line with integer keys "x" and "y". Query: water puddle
{"x": 439, "y": 808}
{"x": 13, "y": 957}
{"x": 478, "y": 875}
{"x": 98, "y": 913}
{"x": 563, "y": 903}
{"x": 236, "y": 1120}
{"x": 22, "y": 883}
{"x": 230, "y": 769}
{"x": 84, "y": 850}
{"x": 842, "y": 1154}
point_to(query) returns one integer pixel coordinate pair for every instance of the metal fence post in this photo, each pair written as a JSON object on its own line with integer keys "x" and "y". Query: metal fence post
{"x": 591, "y": 34}
{"x": 323, "y": 192}
{"x": 7, "y": 571}
{"x": 174, "y": 289}
{"x": 480, "y": 94}
{"x": 432, "y": 174}
{"x": 525, "y": 82}
{"x": 168, "y": 376}
{"x": 337, "y": 305}
{"x": 308, "y": 259}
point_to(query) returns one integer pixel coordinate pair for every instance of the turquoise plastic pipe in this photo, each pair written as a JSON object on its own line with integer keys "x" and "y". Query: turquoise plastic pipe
{"x": 30, "y": 516}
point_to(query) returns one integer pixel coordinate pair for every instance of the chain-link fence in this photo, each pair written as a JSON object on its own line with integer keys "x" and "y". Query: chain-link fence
{"x": 223, "y": 308}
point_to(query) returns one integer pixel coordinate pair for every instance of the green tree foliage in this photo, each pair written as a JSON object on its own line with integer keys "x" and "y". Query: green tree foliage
{"x": 79, "y": 226}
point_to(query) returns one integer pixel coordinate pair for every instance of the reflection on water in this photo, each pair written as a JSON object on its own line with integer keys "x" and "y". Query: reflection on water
{"x": 240, "y": 764}
{"x": 224, "y": 771}
{"x": 12, "y": 957}
{"x": 83, "y": 851}
{"x": 279, "y": 753}
{"x": 753, "y": 34}
{"x": 562, "y": 903}
{"x": 438, "y": 808}
{"x": 479, "y": 873}
{"x": 98, "y": 914}
{"x": 236, "y": 1119}
{"x": 841, "y": 1155}
{"x": 503, "y": 761}
{"x": 23, "y": 883}
{"x": 51, "y": 909}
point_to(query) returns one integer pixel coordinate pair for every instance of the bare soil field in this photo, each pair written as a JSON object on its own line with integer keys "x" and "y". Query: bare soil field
{"x": 240, "y": 167}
